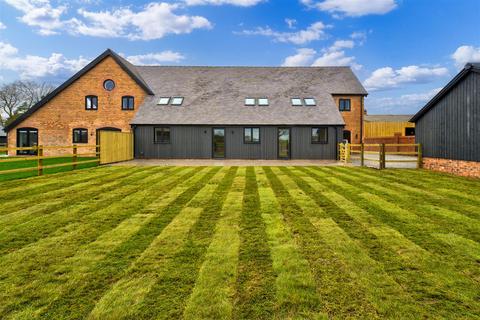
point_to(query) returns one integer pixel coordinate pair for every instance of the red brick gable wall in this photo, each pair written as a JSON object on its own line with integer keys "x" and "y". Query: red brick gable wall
{"x": 56, "y": 120}
{"x": 353, "y": 118}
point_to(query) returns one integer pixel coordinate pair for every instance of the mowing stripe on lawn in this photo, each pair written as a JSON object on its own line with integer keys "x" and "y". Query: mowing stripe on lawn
{"x": 122, "y": 302}
{"x": 387, "y": 296}
{"x": 466, "y": 248}
{"x": 255, "y": 288}
{"x": 435, "y": 272}
{"x": 175, "y": 282}
{"x": 296, "y": 292}
{"x": 80, "y": 300}
{"x": 44, "y": 259}
{"x": 214, "y": 289}
{"x": 18, "y": 236}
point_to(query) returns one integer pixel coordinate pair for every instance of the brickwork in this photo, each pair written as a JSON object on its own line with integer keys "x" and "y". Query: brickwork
{"x": 56, "y": 120}
{"x": 457, "y": 167}
{"x": 353, "y": 118}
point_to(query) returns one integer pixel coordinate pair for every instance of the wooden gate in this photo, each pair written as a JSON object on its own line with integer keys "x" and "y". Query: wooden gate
{"x": 115, "y": 146}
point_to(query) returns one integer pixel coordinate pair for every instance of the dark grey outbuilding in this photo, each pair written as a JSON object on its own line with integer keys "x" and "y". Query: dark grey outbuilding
{"x": 448, "y": 126}
{"x": 242, "y": 112}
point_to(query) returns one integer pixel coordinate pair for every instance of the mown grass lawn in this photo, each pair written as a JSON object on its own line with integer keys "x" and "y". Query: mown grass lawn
{"x": 242, "y": 243}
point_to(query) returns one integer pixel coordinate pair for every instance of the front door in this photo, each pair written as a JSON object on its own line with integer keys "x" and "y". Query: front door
{"x": 347, "y": 136}
{"x": 26, "y": 138}
{"x": 284, "y": 144}
{"x": 219, "y": 143}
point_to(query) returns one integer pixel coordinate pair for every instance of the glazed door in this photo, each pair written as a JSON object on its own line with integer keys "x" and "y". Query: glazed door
{"x": 284, "y": 143}
{"x": 219, "y": 143}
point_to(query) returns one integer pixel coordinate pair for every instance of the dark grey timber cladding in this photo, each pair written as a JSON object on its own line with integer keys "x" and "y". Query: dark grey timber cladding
{"x": 195, "y": 142}
{"x": 451, "y": 128}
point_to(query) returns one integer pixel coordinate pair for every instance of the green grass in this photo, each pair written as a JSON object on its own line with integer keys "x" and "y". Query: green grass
{"x": 240, "y": 243}
{"x": 33, "y": 164}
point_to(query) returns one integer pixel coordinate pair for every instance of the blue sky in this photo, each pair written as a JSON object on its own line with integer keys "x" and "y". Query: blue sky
{"x": 403, "y": 51}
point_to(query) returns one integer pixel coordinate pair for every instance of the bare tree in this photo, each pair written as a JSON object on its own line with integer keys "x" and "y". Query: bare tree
{"x": 17, "y": 97}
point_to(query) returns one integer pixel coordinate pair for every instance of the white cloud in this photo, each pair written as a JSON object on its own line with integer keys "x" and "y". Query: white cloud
{"x": 40, "y": 14}
{"x": 156, "y": 58}
{"x": 353, "y": 8}
{"x": 314, "y": 32}
{"x": 303, "y": 57}
{"x": 290, "y": 23}
{"x": 336, "y": 58}
{"x": 31, "y": 66}
{"x": 387, "y": 77}
{"x": 466, "y": 54}
{"x": 2, "y": 26}
{"x": 406, "y": 103}
{"x": 240, "y": 3}
{"x": 154, "y": 21}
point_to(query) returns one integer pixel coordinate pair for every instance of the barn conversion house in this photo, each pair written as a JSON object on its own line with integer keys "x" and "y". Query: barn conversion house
{"x": 448, "y": 127}
{"x": 201, "y": 112}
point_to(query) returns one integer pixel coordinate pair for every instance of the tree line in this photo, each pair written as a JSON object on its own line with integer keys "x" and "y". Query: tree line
{"x": 19, "y": 96}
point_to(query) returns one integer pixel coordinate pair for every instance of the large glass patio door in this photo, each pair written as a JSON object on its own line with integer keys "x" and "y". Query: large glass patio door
{"x": 219, "y": 143}
{"x": 26, "y": 138}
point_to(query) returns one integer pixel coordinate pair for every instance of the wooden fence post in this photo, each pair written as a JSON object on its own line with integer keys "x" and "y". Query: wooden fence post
{"x": 74, "y": 158}
{"x": 420, "y": 156}
{"x": 362, "y": 155}
{"x": 40, "y": 160}
{"x": 382, "y": 156}
{"x": 347, "y": 153}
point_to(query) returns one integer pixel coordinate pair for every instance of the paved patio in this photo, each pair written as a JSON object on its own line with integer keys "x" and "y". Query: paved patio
{"x": 217, "y": 162}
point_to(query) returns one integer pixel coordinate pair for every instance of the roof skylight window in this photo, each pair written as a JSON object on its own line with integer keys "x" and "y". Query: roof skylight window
{"x": 263, "y": 102}
{"x": 310, "y": 102}
{"x": 177, "y": 101}
{"x": 296, "y": 102}
{"x": 250, "y": 101}
{"x": 164, "y": 101}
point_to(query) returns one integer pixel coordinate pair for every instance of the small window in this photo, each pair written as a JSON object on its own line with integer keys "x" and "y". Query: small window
{"x": 177, "y": 101}
{"x": 344, "y": 105}
{"x": 296, "y": 102}
{"x": 128, "y": 103}
{"x": 109, "y": 85}
{"x": 310, "y": 102}
{"x": 263, "y": 102}
{"x": 250, "y": 101}
{"x": 251, "y": 135}
{"x": 162, "y": 135}
{"x": 409, "y": 131}
{"x": 164, "y": 101}
{"x": 320, "y": 135}
{"x": 91, "y": 103}
{"x": 80, "y": 136}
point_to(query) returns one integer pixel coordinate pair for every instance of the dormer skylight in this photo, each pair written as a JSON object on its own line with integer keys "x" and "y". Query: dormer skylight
{"x": 164, "y": 101}
{"x": 177, "y": 101}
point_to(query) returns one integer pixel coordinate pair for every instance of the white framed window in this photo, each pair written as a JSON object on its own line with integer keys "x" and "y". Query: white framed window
{"x": 296, "y": 102}
{"x": 250, "y": 101}
{"x": 310, "y": 102}
{"x": 263, "y": 102}
{"x": 164, "y": 101}
{"x": 176, "y": 101}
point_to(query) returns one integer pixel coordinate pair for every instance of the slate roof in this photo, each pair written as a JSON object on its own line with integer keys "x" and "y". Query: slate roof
{"x": 469, "y": 67}
{"x": 388, "y": 117}
{"x": 215, "y": 95}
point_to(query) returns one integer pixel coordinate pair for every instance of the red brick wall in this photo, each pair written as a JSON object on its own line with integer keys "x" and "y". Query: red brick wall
{"x": 353, "y": 118}
{"x": 56, "y": 120}
{"x": 457, "y": 167}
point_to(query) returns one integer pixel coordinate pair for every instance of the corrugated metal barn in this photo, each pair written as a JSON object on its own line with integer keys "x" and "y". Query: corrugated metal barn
{"x": 449, "y": 125}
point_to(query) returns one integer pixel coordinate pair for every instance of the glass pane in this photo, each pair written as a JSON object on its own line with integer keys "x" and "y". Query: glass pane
{"x": 22, "y": 138}
{"x": 263, "y": 102}
{"x": 109, "y": 85}
{"x": 177, "y": 101}
{"x": 249, "y": 101}
{"x": 219, "y": 143}
{"x": 256, "y": 135}
{"x": 283, "y": 143}
{"x": 310, "y": 102}
{"x": 248, "y": 135}
{"x": 323, "y": 135}
{"x": 296, "y": 102}
{"x": 164, "y": 101}
{"x": 315, "y": 134}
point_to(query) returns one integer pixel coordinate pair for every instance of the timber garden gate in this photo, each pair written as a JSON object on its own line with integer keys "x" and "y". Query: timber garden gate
{"x": 115, "y": 146}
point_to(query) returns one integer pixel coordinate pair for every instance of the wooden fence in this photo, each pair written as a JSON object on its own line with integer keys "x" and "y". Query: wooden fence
{"x": 115, "y": 146}
{"x": 377, "y": 153}
{"x": 385, "y": 129}
{"x": 39, "y": 158}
